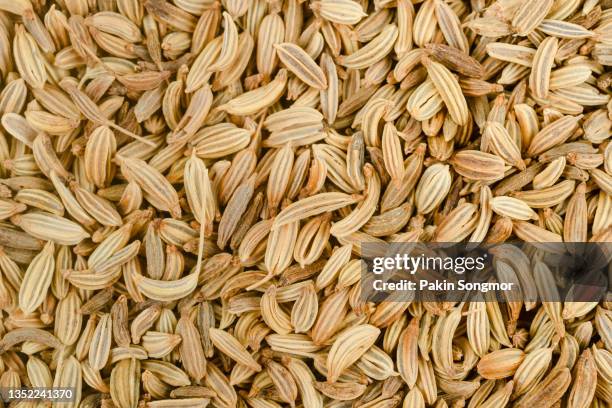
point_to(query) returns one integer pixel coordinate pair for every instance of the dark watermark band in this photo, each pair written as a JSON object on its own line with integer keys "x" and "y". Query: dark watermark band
{"x": 508, "y": 272}
{"x": 53, "y": 394}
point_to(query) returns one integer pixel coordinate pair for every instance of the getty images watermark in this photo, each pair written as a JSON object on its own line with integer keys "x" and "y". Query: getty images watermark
{"x": 548, "y": 272}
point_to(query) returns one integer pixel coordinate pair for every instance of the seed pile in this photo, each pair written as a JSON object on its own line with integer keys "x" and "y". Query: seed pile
{"x": 185, "y": 186}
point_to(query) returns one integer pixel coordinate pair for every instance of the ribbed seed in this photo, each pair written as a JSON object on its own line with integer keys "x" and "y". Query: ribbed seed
{"x": 301, "y": 64}
{"x": 37, "y": 279}
{"x": 99, "y": 350}
{"x": 529, "y": 16}
{"x": 348, "y": 347}
{"x": 539, "y": 78}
